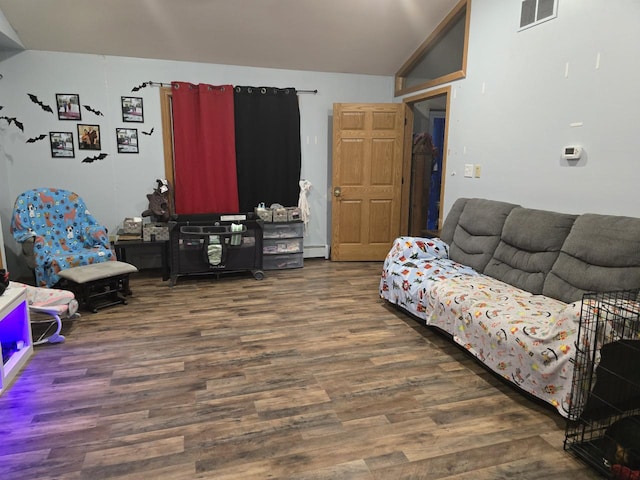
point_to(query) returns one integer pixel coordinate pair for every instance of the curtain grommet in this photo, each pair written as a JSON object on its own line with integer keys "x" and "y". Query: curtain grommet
{"x": 263, "y": 90}
{"x": 249, "y": 90}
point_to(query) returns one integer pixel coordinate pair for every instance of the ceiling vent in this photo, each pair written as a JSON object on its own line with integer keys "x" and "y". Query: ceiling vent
{"x": 534, "y": 12}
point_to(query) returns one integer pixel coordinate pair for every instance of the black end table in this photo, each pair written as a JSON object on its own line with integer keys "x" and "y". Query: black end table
{"x": 161, "y": 247}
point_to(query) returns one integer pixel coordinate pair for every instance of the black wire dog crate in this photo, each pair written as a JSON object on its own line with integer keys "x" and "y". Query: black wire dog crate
{"x": 603, "y": 425}
{"x": 205, "y": 244}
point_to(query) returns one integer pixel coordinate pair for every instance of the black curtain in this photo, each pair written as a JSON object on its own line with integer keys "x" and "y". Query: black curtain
{"x": 268, "y": 154}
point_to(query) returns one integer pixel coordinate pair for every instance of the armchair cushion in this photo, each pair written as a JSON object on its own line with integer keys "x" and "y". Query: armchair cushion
{"x": 63, "y": 232}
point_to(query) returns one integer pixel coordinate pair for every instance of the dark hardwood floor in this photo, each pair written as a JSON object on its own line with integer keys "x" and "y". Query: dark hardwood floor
{"x": 306, "y": 374}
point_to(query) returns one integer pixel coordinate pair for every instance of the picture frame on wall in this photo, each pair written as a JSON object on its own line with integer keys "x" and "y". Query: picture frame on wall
{"x": 89, "y": 137}
{"x": 61, "y": 144}
{"x": 132, "y": 109}
{"x": 127, "y": 140}
{"x": 68, "y": 105}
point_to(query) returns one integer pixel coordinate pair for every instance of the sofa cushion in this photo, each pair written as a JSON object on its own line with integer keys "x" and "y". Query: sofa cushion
{"x": 478, "y": 231}
{"x": 601, "y": 253}
{"x": 529, "y": 246}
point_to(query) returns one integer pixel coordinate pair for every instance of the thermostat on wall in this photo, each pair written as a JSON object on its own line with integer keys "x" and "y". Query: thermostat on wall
{"x": 572, "y": 152}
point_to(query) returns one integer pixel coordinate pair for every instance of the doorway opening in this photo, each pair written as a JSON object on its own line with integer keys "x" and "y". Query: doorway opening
{"x": 427, "y": 161}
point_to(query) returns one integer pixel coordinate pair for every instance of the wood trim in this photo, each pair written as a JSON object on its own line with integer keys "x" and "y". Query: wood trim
{"x": 405, "y": 197}
{"x": 431, "y": 40}
{"x": 433, "y": 83}
{"x": 166, "y": 97}
{"x": 409, "y": 101}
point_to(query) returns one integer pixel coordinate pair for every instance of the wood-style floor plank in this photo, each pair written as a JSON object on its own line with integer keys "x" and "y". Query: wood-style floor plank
{"x": 305, "y": 375}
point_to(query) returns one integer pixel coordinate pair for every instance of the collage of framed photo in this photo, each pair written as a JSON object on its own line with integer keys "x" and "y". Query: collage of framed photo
{"x": 68, "y": 106}
{"x": 127, "y": 140}
{"x": 61, "y": 144}
{"x": 89, "y": 137}
{"x": 132, "y": 110}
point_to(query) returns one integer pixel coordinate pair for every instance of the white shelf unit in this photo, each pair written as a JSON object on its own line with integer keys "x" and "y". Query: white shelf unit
{"x": 282, "y": 245}
{"x": 15, "y": 335}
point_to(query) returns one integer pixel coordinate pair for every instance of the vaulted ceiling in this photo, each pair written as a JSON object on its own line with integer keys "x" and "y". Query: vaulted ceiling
{"x": 347, "y": 36}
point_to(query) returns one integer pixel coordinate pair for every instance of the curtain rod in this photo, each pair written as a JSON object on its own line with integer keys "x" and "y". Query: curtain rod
{"x": 161, "y": 84}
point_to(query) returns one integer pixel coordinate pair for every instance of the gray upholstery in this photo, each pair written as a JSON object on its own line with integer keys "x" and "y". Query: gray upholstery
{"x": 450, "y": 223}
{"x": 477, "y": 232}
{"x": 529, "y": 246}
{"x": 601, "y": 253}
{"x": 97, "y": 271}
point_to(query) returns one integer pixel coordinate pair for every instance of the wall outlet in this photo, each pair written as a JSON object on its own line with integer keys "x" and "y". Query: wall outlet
{"x": 468, "y": 170}
{"x": 477, "y": 171}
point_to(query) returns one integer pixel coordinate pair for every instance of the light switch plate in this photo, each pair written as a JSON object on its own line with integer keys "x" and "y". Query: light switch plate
{"x": 468, "y": 170}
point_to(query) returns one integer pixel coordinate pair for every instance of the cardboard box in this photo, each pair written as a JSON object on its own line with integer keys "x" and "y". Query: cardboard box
{"x": 132, "y": 226}
{"x": 264, "y": 213}
{"x": 280, "y": 215}
{"x": 293, "y": 214}
{"x": 155, "y": 232}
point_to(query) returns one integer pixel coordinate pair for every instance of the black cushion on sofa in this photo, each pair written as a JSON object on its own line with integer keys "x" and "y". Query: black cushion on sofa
{"x": 601, "y": 253}
{"x": 477, "y": 233}
{"x": 529, "y": 246}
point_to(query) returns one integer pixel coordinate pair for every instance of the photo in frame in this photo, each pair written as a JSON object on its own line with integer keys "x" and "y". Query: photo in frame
{"x": 127, "y": 140}
{"x": 132, "y": 110}
{"x": 89, "y": 137}
{"x": 61, "y": 144}
{"x": 68, "y": 105}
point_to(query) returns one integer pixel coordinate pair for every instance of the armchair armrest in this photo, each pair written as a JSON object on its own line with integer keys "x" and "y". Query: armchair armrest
{"x": 28, "y": 246}
{"x": 96, "y": 236}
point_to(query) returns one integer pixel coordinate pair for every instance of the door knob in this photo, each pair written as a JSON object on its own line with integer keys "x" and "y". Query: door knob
{"x": 337, "y": 192}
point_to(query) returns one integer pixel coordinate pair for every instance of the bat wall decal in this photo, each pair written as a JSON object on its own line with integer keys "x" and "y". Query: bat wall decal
{"x": 15, "y": 121}
{"x": 36, "y": 139}
{"x": 37, "y": 101}
{"x": 101, "y": 156}
{"x": 150, "y": 132}
{"x": 97, "y": 112}
{"x": 141, "y": 86}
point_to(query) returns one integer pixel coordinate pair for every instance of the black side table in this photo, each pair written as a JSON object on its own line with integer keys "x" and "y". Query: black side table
{"x": 162, "y": 248}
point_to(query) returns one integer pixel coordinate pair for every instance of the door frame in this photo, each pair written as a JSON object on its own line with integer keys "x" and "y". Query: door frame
{"x": 406, "y": 167}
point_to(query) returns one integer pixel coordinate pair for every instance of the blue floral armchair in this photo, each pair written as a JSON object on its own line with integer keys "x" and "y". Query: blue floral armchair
{"x": 57, "y": 232}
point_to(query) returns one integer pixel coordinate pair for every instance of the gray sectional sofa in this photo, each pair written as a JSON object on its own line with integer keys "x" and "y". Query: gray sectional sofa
{"x": 506, "y": 282}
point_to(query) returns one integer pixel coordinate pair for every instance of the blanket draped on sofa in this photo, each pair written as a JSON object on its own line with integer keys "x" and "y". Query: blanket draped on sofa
{"x": 506, "y": 283}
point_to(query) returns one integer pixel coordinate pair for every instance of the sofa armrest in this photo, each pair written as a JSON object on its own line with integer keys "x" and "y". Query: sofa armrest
{"x": 415, "y": 248}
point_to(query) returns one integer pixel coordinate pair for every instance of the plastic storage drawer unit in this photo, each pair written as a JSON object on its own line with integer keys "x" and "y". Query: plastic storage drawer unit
{"x": 283, "y": 245}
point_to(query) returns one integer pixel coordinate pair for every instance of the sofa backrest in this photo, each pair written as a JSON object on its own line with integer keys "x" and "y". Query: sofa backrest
{"x": 451, "y": 222}
{"x": 601, "y": 253}
{"x": 529, "y": 246}
{"x": 477, "y": 231}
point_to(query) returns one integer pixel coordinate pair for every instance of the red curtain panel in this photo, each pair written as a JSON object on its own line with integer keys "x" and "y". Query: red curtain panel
{"x": 204, "y": 149}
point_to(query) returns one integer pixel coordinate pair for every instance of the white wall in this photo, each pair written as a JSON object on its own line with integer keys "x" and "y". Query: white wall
{"x": 512, "y": 115}
{"x": 116, "y": 187}
{"x": 513, "y": 112}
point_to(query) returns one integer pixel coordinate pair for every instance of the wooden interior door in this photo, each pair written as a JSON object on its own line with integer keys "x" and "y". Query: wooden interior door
{"x": 368, "y": 144}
